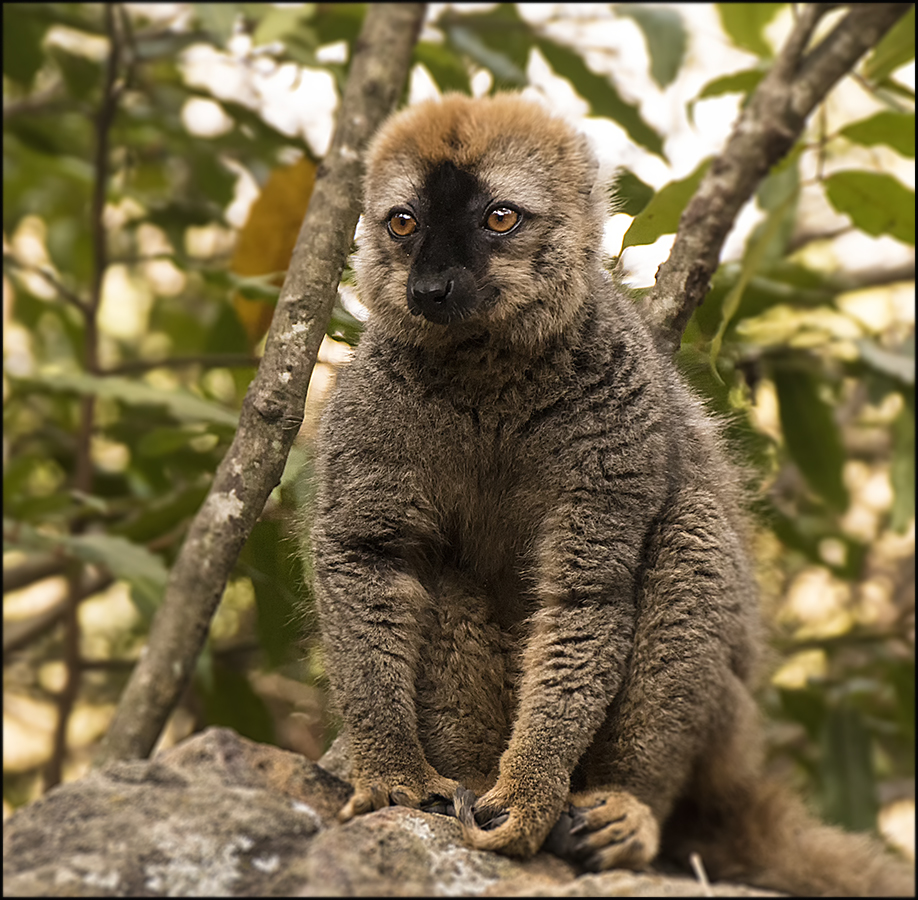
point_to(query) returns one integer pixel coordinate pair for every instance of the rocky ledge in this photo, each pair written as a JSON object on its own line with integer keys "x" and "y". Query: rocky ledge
{"x": 219, "y": 815}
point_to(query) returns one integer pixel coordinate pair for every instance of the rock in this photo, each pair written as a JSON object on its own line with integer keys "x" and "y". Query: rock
{"x": 219, "y": 815}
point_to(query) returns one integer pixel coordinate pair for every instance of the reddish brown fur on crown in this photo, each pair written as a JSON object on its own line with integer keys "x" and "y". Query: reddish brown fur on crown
{"x": 465, "y": 130}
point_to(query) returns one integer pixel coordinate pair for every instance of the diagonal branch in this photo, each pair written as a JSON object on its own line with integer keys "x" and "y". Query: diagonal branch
{"x": 765, "y": 131}
{"x": 273, "y": 408}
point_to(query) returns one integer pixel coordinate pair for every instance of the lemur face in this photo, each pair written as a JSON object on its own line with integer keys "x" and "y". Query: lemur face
{"x": 473, "y": 219}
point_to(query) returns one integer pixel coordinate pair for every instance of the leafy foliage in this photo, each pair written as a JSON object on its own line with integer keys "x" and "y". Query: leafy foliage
{"x": 138, "y": 300}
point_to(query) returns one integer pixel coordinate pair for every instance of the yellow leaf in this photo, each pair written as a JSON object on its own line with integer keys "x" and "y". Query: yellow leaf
{"x": 266, "y": 240}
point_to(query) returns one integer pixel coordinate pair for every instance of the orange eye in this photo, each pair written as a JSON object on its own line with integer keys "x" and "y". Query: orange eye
{"x": 503, "y": 219}
{"x": 402, "y": 224}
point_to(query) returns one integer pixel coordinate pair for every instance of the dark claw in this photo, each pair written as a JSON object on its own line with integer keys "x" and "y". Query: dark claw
{"x": 464, "y": 802}
{"x": 441, "y": 806}
{"x": 578, "y": 824}
{"x": 592, "y": 862}
{"x": 495, "y": 820}
{"x": 560, "y": 840}
{"x": 485, "y": 818}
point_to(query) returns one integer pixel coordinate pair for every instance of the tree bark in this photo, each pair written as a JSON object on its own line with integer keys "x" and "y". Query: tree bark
{"x": 273, "y": 408}
{"x": 766, "y": 130}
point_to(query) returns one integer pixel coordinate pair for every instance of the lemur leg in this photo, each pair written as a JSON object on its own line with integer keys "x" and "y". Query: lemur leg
{"x": 573, "y": 662}
{"x": 364, "y": 603}
{"x": 684, "y": 690}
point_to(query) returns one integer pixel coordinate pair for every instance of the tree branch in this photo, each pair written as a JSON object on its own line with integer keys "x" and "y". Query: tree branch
{"x": 19, "y": 634}
{"x": 31, "y": 570}
{"x": 67, "y": 696}
{"x": 767, "y": 128}
{"x": 273, "y": 408}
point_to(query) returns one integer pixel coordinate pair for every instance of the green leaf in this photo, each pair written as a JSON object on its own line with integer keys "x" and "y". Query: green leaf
{"x": 281, "y": 23}
{"x": 758, "y": 246}
{"x": 877, "y": 203}
{"x": 343, "y": 326}
{"x": 499, "y": 35}
{"x": 724, "y": 395}
{"x": 82, "y": 75}
{"x": 738, "y": 83}
{"x": 163, "y": 513}
{"x": 902, "y": 676}
{"x": 895, "y": 49}
{"x": 446, "y": 69}
{"x": 897, "y": 365}
{"x": 745, "y": 24}
{"x": 211, "y": 177}
{"x": 804, "y": 533}
{"x": 271, "y": 563}
{"x": 811, "y": 435}
{"x": 902, "y": 469}
{"x": 894, "y": 129}
{"x": 162, "y": 441}
{"x": 219, "y": 19}
{"x": 629, "y": 194}
{"x": 505, "y": 71}
{"x": 229, "y": 701}
{"x": 666, "y": 38}
{"x": 781, "y": 283}
{"x": 43, "y": 135}
{"x": 181, "y": 405}
{"x": 890, "y": 92}
{"x": 806, "y": 706}
{"x": 661, "y": 216}
{"x": 339, "y": 21}
{"x": 226, "y": 334}
{"x": 23, "y": 33}
{"x": 601, "y": 94}
{"x": 849, "y": 790}
{"x": 144, "y": 571}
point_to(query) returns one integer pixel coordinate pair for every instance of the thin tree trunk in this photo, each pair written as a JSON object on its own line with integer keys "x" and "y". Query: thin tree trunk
{"x": 273, "y": 408}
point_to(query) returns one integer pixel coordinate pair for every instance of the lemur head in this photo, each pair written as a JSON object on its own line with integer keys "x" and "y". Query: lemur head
{"x": 481, "y": 215}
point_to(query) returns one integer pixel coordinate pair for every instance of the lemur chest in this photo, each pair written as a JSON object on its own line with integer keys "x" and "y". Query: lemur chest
{"x": 484, "y": 535}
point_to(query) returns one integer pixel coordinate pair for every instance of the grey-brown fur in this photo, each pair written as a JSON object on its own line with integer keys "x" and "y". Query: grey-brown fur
{"x": 531, "y": 563}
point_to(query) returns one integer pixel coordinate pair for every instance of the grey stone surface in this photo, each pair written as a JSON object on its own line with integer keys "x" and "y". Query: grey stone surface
{"x": 219, "y": 815}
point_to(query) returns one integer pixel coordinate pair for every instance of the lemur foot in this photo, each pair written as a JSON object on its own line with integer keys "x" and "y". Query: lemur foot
{"x": 606, "y": 830}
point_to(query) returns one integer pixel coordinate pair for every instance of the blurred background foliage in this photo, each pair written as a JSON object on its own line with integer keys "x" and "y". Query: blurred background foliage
{"x": 157, "y": 162}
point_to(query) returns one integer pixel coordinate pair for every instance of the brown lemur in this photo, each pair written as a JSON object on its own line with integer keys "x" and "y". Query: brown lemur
{"x": 531, "y": 561}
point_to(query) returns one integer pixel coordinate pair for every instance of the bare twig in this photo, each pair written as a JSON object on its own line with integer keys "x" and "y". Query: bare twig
{"x": 63, "y": 291}
{"x": 83, "y": 478}
{"x": 47, "y": 275}
{"x": 701, "y": 875}
{"x": 104, "y": 117}
{"x": 17, "y": 635}
{"x": 767, "y": 128}
{"x": 67, "y": 697}
{"x": 34, "y": 569}
{"x": 53, "y": 97}
{"x": 273, "y": 408}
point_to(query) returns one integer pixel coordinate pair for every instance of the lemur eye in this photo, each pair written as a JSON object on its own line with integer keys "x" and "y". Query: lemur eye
{"x": 502, "y": 219}
{"x": 401, "y": 224}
